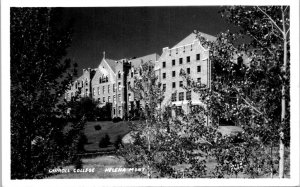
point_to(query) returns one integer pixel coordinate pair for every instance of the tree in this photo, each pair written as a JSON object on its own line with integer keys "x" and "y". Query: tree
{"x": 256, "y": 75}
{"x": 39, "y": 78}
{"x": 85, "y": 106}
{"x": 166, "y": 145}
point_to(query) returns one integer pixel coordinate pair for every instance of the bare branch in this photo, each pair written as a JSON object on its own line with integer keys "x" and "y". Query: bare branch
{"x": 270, "y": 19}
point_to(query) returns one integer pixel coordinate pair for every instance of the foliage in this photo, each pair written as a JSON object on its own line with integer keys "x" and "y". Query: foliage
{"x": 116, "y": 119}
{"x": 39, "y": 77}
{"x": 118, "y": 143}
{"x": 105, "y": 141}
{"x": 104, "y": 113}
{"x": 85, "y": 106}
{"x": 167, "y": 145}
{"x": 251, "y": 79}
{"x": 97, "y": 127}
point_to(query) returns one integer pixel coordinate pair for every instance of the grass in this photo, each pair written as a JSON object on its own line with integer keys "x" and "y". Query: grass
{"x": 107, "y": 127}
{"x": 100, "y": 163}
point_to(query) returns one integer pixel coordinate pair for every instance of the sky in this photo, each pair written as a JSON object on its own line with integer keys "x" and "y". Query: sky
{"x": 126, "y": 32}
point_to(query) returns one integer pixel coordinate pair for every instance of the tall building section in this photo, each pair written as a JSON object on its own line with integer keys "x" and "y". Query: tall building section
{"x": 190, "y": 57}
{"x": 110, "y": 82}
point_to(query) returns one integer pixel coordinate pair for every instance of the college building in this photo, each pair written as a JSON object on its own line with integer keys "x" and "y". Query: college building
{"x": 109, "y": 83}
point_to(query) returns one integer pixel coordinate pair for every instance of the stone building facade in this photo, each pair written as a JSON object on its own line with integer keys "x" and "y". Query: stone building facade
{"x": 189, "y": 57}
{"x": 110, "y": 81}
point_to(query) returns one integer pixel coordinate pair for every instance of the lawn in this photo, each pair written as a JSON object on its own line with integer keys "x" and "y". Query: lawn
{"x": 107, "y": 127}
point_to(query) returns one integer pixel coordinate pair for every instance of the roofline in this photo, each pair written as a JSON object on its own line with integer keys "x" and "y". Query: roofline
{"x": 108, "y": 65}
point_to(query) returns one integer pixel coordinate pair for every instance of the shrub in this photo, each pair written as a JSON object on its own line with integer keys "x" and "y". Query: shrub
{"x": 105, "y": 141}
{"x": 118, "y": 142}
{"x": 97, "y": 127}
{"x": 117, "y": 119}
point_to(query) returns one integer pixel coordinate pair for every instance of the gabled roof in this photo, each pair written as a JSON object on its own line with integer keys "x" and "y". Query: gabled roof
{"x": 112, "y": 64}
{"x": 190, "y": 39}
{"x": 137, "y": 61}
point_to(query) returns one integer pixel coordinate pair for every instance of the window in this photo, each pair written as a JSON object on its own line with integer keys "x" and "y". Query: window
{"x": 114, "y": 99}
{"x": 76, "y": 85}
{"x": 164, "y": 75}
{"x": 108, "y": 88}
{"x": 119, "y": 97}
{"x": 173, "y": 62}
{"x": 103, "y": 89}
{"x": 94, "y": 91}
{"x": 120, "y": 110}
{"x": 173, "y": 73}
{"x": 164, "y": 87}
{"x": 131, "y": 73}
{"x": 180, "y": 60}
{"x": 197, "y": 56}
{"x": 119, "y": 75}
{"x": 188, "y": 59}
{"x": 181, "y": 96}
{"x": 128, "y": 85}
{"x": 173, "y": 97}
{"x": 109, "y": 99}
{"x": 98, "y": 90}
{"x": 164, "y": 64}
{"x": 188, "y": 70}
{"x": 173, "y": 84}
{"x": 119, "y": 86}
{"x": 188, "y": 95}
{"x": 106, "y": 78}
{"x": 114, "y": 88}
{"x": 181, "y": 84}
{"x": 198, "y": 69}
{"x": 198, "y": 81}
{"x": 114, "y": 111}
{"x": 103, "y": 99}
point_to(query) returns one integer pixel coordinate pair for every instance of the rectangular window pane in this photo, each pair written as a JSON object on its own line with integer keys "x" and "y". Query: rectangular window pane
{"x": 174, "y": 97}
{"x": 181, "y": 84}
{"x": 173, "y": 62}
{"x": 188, "y": 95}
{"x": 173, "y": 84}
{"x": 188, "y": 70}
{"x": 198, "y": 69}
{"x": 188, "y": 59}
{"x": 173, "y": 73}
{"x": 198, "y": 56}
{"x": 180, "y": 60}
{"x": 181, "y": 96}
{"x": 164, "y": 64}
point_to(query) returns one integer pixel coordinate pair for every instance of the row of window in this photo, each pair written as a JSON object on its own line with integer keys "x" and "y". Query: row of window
{"x": 108, "y": 89}
{"x": 180, "y": 84}
{"x": 188, "y": 71}
{"x": 109, "y": 100}
{"x": 180, "y": 60}
{"x": 181, "y": 96}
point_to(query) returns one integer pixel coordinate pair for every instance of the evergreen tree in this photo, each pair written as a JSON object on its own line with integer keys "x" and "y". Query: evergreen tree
{"x": 39, "y": 78}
